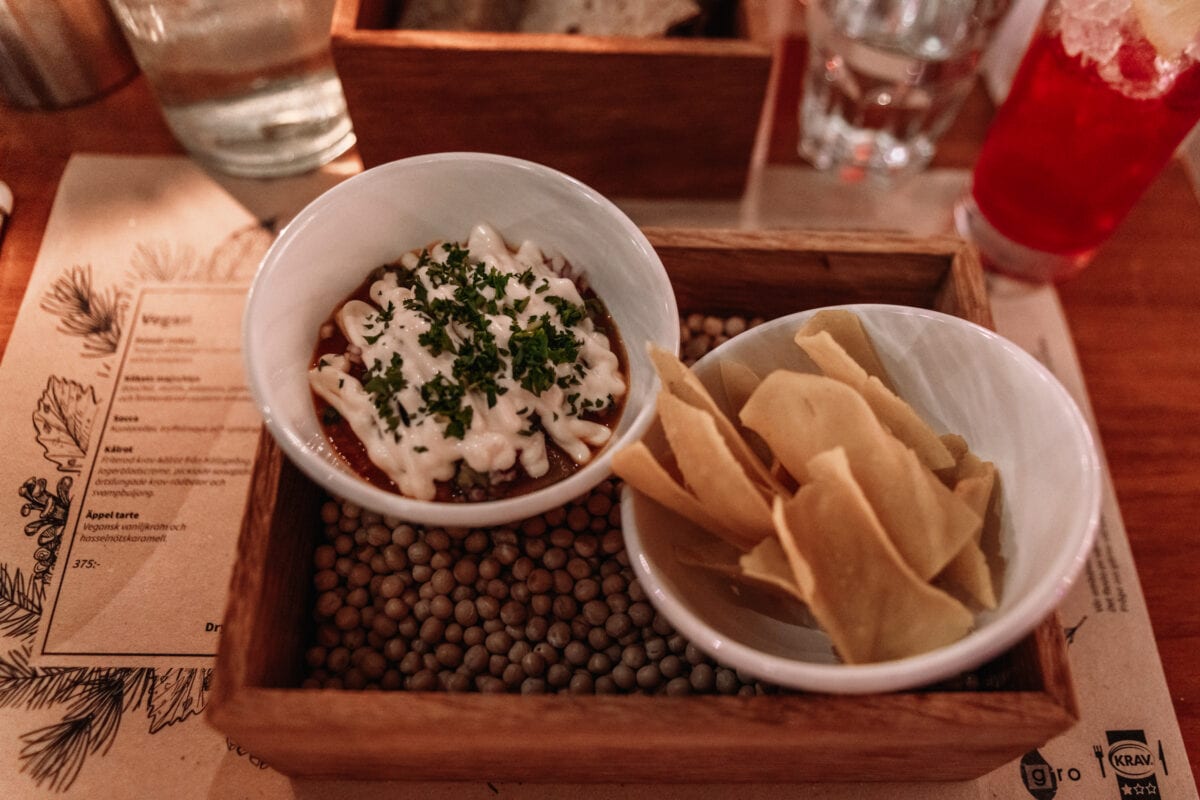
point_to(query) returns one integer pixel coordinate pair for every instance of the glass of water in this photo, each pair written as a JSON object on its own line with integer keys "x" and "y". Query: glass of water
{"x": 247, "y": 86}
{"x": 885, "y": 79}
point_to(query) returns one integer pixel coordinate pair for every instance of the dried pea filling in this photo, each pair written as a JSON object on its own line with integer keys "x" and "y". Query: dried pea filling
{"x": 469, "y": 371}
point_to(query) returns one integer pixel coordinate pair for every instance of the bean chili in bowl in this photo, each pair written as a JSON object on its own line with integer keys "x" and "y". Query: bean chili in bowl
{"x": 465, "y": 372}
{"x": 458, "y": 425}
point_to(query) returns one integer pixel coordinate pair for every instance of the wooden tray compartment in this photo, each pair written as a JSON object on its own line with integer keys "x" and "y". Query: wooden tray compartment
{"x": 662, "y": 117}
{"x": 958, "y": 730}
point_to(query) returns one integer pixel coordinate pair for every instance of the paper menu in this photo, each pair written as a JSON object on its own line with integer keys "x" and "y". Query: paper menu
{"x": 118, "y": 216}
{"x": 69, "y": 366}
{"x": 163, "y": 488}
{"x": 113, "y": 568}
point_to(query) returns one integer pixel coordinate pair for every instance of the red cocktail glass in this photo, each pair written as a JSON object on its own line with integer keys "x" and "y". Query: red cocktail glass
{"x": 1103, "y": 97}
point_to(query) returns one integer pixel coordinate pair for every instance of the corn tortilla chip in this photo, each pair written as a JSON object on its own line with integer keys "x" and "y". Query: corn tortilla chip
{"x": 712, "y": 473}
{"x": 956, "y": 444}
{"x": 801, "y": 416}
{"x": 989, "y": 539}
{"x": 958, "y": 448}
{"x": 767, "y": 562}
{"x": 968, "y": 576}
{"x": 739, "y": 382}
{"x": 784, "y": 477}
{"x": 829, "y": 527}
{"x": 968, "y": 465}
{"x": 899, "y": 417}
{"x": 681, "y": 382}
{"x": 847, "y": 330}
{"x": 637, "y": 466}
{"x": 765, "y": 566}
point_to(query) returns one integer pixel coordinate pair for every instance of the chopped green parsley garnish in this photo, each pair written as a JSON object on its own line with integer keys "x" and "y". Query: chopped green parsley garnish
{"x": 383, "y": 383}
{"x": 443, "y": 398}
{"x": 568, "y": 312}
{"x": 536, "y": 352}
{"x": 462, "y": 325}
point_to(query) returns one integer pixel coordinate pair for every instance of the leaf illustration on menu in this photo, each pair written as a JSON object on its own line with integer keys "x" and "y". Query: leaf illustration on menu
{"x": 177, "y": 695}
{"x": 20, "y": 603}
{"x": 94, "y": 315}
{"x": 63, "y": 421}
{"x": 237, "y": 257}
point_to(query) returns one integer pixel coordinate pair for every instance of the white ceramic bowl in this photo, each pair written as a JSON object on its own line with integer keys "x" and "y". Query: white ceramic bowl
{"x": 960, "y": 378}
{"x": 374, "y": 217}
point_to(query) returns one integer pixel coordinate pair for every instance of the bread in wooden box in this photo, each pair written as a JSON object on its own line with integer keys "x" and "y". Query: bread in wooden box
{"x": 632, "y": 117}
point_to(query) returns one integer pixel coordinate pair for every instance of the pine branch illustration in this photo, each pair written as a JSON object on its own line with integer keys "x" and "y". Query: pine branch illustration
{"x": 104, "y": 333}
{"x": 20, "y": 603}
{"x": 55, "y": 753}
{"x": 95, "y": 316}
{"x": 71, "y": 294}
{"x": 33, "y": 687}
{"x": 139, "y": 683}
{"x": 101, "y": 698}
{"x": 160, "y": 262}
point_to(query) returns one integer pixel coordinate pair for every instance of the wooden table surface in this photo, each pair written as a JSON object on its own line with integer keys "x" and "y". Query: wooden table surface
{"x": 1134, "y": 313}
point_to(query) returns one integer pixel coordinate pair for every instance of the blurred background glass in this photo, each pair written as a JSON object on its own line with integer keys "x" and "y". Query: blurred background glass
{"x": 59, "y": 53}
{"x": 247, "y": 86}
{"x": 885, "y": 79}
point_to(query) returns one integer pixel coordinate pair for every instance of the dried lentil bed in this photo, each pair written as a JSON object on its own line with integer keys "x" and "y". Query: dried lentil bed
{"x": 549, "y": 605}
{"x": 699, "y": 333}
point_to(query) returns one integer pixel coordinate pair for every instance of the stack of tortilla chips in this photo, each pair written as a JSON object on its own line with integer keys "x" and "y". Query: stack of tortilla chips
{"x": 886, "y": 531}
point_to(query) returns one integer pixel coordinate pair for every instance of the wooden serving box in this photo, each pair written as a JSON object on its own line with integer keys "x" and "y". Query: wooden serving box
{"x": 957, "y": 730}
{"x": 631, "y": 117}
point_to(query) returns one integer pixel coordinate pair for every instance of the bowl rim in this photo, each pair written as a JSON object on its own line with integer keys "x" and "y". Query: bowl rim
{"x": 427, "y": 512}
{"x": 979, "y": 645}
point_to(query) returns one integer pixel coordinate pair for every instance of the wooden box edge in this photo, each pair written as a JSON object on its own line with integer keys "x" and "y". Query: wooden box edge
{"x": 616, "y": 113}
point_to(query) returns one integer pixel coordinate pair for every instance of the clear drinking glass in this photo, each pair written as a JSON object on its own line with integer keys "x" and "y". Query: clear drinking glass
{"x": 1104, "y": 95}
{"x": 886, "y": 78}
{"x": 247, "y": 86}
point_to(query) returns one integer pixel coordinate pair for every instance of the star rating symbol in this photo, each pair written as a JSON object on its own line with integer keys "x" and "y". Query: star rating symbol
{"x": 1140, "y": 789}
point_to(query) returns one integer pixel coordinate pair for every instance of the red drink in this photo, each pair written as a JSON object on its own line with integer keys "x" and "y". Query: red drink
{"x": 1072, "y": 149}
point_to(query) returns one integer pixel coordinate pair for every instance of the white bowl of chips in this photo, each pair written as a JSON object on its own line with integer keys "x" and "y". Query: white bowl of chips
{"x": 876, "y": 544}
{"x": 387, "y": 213}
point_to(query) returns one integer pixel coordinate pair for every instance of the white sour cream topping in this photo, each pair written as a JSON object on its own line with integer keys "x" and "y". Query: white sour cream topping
{"x": 410, "y": 442}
